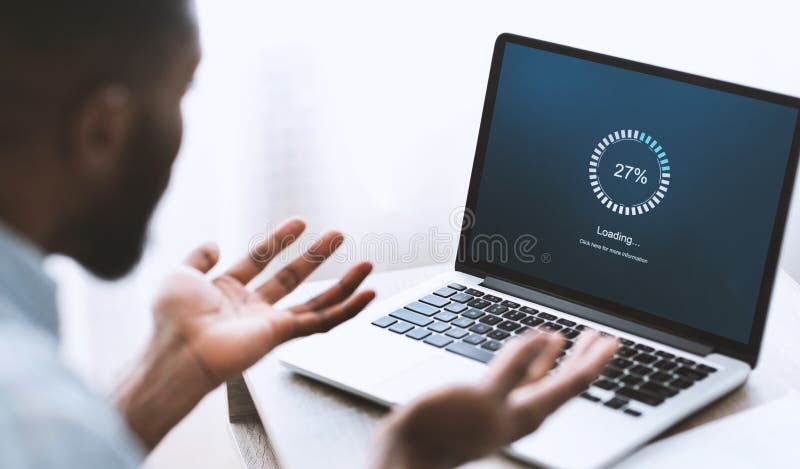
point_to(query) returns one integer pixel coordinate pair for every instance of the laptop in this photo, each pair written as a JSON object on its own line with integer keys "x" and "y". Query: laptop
{"x": 641, "y": 202}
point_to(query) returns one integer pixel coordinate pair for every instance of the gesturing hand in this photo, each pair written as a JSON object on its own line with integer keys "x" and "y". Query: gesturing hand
{"x": 209, "y": 330}
{"x": 228, "y": 327}
{"x": 460, "y": 423}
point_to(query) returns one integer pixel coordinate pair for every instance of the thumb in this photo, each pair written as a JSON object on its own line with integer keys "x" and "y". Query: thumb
{"x": 204, "y": 257}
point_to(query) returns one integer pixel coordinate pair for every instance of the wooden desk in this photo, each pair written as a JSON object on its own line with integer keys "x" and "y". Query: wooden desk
{"x": 307, "y": 424}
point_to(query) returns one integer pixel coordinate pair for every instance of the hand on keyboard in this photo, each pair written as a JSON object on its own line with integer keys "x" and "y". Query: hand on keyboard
{"x": 457, "y": 424}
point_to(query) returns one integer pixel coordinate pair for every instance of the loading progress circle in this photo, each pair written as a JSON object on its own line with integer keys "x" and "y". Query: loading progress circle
{"x": 629, "y": 172}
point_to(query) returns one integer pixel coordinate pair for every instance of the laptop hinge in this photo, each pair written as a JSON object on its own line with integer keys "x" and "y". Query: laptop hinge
{"x": 596, "y": 316}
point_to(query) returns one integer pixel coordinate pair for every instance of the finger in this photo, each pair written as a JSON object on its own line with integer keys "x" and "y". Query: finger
{"x": 260, "y": 255}
{"x": 512, "y": 364}
{"x": 545, "y": 361}
{"x": 584, "y": 355}
{"x": 579, "y": 371}
{"x": 289, "y": 277}
{"x": 312, "y": 322}
{"x": 585, "y": 340}
{"x": 203, "y": 257}
{"x": 533, "y": 403}
{"x": 339, "y": 292}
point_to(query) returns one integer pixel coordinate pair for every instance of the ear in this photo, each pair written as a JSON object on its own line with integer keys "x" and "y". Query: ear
{"x": 99, "y": 133}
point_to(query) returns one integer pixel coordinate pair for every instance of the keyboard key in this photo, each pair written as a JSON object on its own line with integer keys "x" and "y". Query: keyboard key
{"x": 456, "y": 286}
{"x": 640, "y": 396}
{"x": 492, "y": 298}
{"x": 664, "y": 354}
{"x": 658, "y": 390}
{"x": 401, "y": 327}
{"x": 475, "y": 339}
{"x": 528, "y": 310}
{"x": 626, "y": 342}
{"x": 463, "y": 322}
{"x": 411, "y": 317}
{"x": 496, "y": 309}
{"x": 384, "y": 322}
{"x": 645, "y": 358}
{"x": 690, "y": 374}
{"x": 439, "y": 327}
{"x": 469, "y": 351}
{"x": 456, "y": 333}
{"x": 685, "y": 361}
{"x": 445, "y": 292}
{"x": 547, "y": 316}
{"x": 480, "y": 329}
{"x": 532, "y": 321}
{"x": 550, "y": 327}
{"x": 514, "y": 315}
{"x": 510, "y": 304}
{"x": 567, "y": 344}
{"x": 605, "y": 384}
{"x": 522, "y": 330}
{"x": 616, "y": 403}
{"x": 492, "y": 345}
{"x": 456, "y": 307}
{"x": 706, "y": 369}
{"x": 419, "y": 333}
{"x": 462, "y": 298}
{"x": 474, "y": 292}
{"x": 644, "y": 348}
{"x": 631, "y": 380}
{"x": 497, "y": 335}
{"x": 422, "y": 308}
{"x": 491, "y": 320}
{"x": 634, "y": 413}
{"x": 438, "y": 341}
{"x": 589, "y": 397}
{"x": 434, "y": 300}
{"x": 665, "y": 365}
{"x": 626, "y": 352}
{"x": 566, "y": 322}
{"x": 445, "y": 316}
{"x": 478, "y": 303}
{"x": 473, "y": 313}
{"x": 682, "y": 383}
{"x": 611, "y": 372}
{"x": 661, "y": 377}
{"x": 640, "y": 370}
{"x": 621, "y": 363}
{"x": 508, "y": 326}
{"x": 581, "y": 327}
{"x": 570, "y": 333}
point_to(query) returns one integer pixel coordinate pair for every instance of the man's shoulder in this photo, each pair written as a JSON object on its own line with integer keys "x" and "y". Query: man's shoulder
{"x": 48, "y": 417}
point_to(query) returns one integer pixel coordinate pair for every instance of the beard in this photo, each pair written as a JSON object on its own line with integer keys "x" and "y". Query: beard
{"x": 109, "y": 239}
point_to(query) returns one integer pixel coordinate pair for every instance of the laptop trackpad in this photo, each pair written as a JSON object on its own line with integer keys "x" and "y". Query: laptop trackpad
{"x": 428, "y": 376}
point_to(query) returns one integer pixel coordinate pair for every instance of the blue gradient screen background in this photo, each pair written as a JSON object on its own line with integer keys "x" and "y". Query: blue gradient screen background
{"x": 706, "y": 243}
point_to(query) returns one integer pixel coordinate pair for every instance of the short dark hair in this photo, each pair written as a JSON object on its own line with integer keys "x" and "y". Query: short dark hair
{"x": 54, "y": 52}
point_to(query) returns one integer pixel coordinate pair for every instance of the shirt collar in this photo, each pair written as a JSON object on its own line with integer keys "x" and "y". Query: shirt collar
{"x": 23, "y": 281}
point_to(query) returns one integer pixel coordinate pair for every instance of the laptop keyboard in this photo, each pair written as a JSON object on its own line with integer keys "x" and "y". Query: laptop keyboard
{"x": 474, "y": 324}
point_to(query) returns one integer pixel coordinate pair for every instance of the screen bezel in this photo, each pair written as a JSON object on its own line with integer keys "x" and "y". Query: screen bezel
{"x": 747, "y": 352}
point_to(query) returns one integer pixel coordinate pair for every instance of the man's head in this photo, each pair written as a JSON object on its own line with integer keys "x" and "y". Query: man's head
{"x": 90, "y": 121}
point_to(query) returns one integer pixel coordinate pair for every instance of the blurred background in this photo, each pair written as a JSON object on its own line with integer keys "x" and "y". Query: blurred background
{"x": 363, "y": 115}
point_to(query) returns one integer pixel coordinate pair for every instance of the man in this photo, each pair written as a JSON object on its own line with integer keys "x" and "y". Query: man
{"x": 90, "y": 124}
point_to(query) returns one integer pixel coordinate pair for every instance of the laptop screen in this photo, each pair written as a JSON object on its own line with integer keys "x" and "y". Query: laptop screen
{"x": 638, "y": 190}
